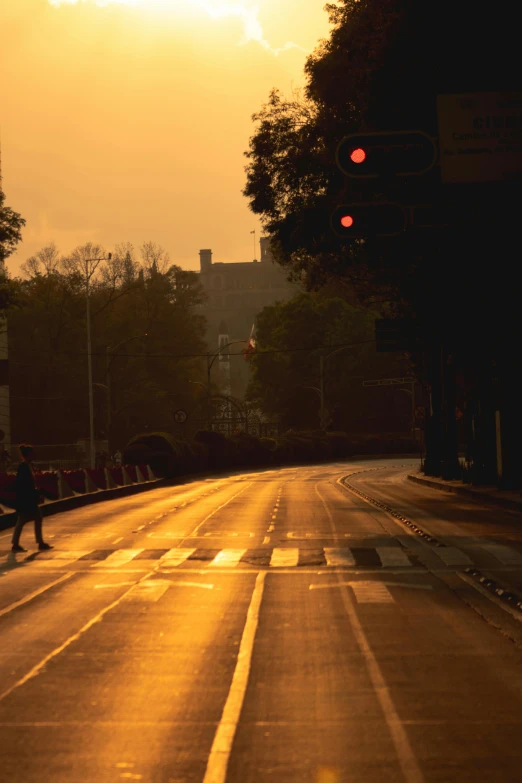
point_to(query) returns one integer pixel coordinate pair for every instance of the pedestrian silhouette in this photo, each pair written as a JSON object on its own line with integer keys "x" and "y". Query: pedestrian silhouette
{"x": 27, "y": 499}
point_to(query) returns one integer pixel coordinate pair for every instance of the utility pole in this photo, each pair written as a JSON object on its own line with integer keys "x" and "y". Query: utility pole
{"x": 89, "y": 271}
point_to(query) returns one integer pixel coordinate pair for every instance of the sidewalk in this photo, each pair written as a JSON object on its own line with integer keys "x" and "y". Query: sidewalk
{"x": 509, "y": 499}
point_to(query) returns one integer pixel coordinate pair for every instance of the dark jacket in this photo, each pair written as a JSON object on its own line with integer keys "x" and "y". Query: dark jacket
{"x": 27, "y": 496}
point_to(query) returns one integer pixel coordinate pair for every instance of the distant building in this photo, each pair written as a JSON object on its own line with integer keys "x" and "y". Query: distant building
{"x": 236, "y": 293}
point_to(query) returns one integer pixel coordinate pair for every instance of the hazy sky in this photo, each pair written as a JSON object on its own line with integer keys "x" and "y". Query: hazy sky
{"x": 126, "y": 120}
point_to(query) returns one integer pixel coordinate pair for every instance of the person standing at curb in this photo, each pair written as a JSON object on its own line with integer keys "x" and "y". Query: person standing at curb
{"x": 27, "y": 499}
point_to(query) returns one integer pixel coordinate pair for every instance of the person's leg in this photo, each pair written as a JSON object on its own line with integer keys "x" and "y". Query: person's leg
{"x": 20, "y": 522}
{"x": 38, "y": 527}
{"x": 38, "y": 531}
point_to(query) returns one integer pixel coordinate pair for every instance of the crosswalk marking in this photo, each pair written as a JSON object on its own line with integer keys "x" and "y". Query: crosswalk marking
{"x": 284, "y": 558}
{"x": 118, "y": 558}
{"x": 505, "y": 554}
{"x": 264, "y": 556}
{"x": 227, "y": 558}
{"x": 339, "y": 557}
{"x": 176, "y": 557}
{"x": 371, "y": 593}
{"x": 392, "y": 556}
{"x": 451, "y": 556}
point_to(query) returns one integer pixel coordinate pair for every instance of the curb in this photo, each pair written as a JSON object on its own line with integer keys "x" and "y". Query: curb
{"x": 471, "y": 494}
{"x": 67, "y": 504}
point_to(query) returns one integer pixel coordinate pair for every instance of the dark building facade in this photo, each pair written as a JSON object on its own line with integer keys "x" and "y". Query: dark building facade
{"x": 236, "y": 293}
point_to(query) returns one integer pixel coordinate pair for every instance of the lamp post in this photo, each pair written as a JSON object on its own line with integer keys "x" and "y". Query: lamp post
{"x": 110, "y": 353}
{"x": 211, "y": 358}
{"x": 89, "y": 272}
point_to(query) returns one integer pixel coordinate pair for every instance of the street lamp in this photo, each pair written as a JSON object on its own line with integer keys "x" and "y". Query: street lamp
{"x": 89, "y": 271}
{"x": 211, "y": 358}
{"x": 110, "y": 353}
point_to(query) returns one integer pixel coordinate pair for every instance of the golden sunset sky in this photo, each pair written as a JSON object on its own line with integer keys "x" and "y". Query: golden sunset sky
{"x": 126, "y": 120}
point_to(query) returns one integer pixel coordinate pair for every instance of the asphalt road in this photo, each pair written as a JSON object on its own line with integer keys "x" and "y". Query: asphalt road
{"x": 274, "y": 626}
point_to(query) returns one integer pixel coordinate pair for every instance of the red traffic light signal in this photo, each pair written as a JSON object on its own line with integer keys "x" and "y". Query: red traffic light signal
{"x": 395, "y": 153}
{"x": 370, "y": 219}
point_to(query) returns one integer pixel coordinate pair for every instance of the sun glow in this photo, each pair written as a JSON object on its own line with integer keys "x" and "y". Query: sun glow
{"x": 216, "y": 9}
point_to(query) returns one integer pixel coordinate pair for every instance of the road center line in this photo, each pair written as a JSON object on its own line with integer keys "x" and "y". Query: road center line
{"x": 39, "y": 666}
{"x": 216, "y": 771}
{"x": 34, "y": 594}
{"x": 215, "y": 511}
{"x": 405, "y": 755}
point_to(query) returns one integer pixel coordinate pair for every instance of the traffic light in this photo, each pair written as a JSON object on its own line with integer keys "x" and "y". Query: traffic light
{"x": 370, "y": 219}
{"x": 393, "y": 153}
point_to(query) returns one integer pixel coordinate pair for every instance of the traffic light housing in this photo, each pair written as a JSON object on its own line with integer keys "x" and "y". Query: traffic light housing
{"x": 382, "y": 154}
{"x": 368, "y": 219}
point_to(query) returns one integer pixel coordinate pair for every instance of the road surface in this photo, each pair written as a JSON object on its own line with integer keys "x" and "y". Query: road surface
{"x": 312, "y": 624}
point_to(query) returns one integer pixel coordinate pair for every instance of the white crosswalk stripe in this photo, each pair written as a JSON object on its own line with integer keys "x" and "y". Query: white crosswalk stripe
{"x": 118, "y": 558}
{"x": 227, "y": 558}
{"x": 176, "y": 557}
{"x": 339, "y": 557}
{"x": 284, "y": 558}
{"x": 392, "y": 556}
{"x": 451, "y": 556}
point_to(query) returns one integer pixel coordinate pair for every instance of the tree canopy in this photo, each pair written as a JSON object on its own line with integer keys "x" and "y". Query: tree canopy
{"x": 292, "y": 336}
{"x": 143, "y": 323}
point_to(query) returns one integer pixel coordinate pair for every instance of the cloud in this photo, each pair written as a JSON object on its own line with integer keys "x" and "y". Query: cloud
{"x": 216, "y": 9}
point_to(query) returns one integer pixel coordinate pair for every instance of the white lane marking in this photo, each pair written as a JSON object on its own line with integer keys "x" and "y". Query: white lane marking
{"x": 117, "y": 540}
{"x": 219, "y": 509}
{"x": 227, "y": 557}
{"x": 392, "y": 556}
{"x": 217, "y": 764}
{"x": 175, "y": 557}
{"x": 193, "y": 584}
{"x": 406, "y": 757}
{"x": 113, "y": 584}
{"x": 266, "y": 540}
{"x": 120, "y": 557}
{"x": 284, "y": 557}
{"x": 149, "y": 590}
{"x": 451, "y": 556}
{"x": 271, "y": 529}
{"x": 43, "y": 663}
{"x": 338, "y": 557}
{"x": 388, "y": 584}
{"x": 34, "y": 594}
{"x": 371, "y": 593}
{"x": 505, "y": 554}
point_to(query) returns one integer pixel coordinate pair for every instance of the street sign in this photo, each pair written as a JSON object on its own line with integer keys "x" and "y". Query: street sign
{"x": 180, "y": 416}
{"x": 480, "y": 136}
{"x": 389, "y": 382}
